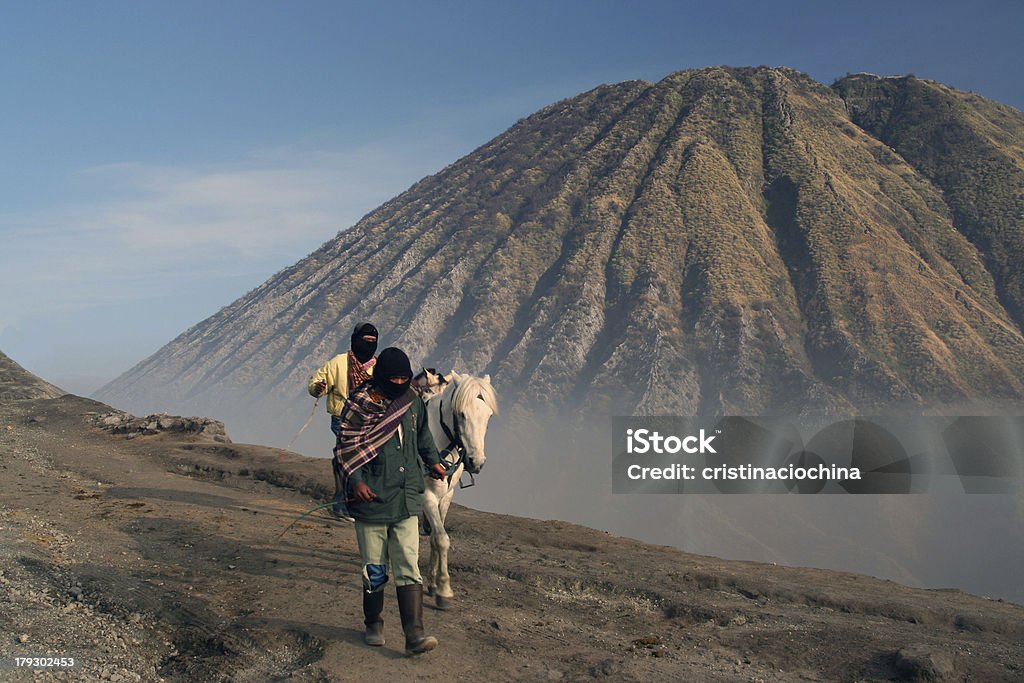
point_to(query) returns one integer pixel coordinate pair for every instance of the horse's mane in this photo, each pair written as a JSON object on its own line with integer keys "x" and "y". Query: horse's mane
{"x": 468, "y": 388}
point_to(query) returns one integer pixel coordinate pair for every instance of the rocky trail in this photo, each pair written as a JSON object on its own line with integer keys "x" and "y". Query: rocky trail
{"x": 157, "y": 557}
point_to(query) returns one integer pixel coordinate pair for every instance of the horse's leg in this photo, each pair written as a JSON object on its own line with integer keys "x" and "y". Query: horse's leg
{"x": 439, "y": 565}
{"x": 432, "y": 514}
{"x": 446, "y": 501}
{"x": 424, "y": 524}
{"x": 444, "y": 584}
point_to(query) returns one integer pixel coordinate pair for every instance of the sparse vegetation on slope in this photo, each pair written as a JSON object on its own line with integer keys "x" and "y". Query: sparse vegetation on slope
{"x": 725, "y": 240}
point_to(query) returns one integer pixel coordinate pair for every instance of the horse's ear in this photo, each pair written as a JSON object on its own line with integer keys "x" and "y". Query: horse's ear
{"x": 487, "y": 378}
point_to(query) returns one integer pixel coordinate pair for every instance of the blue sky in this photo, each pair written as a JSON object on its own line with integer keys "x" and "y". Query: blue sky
{"x": 161, "y": 159}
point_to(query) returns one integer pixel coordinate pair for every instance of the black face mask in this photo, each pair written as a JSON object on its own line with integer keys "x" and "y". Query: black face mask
{"x": 390, "y": 389}
{"x": 362, "y": 349}
{"x": 391, "y": 363}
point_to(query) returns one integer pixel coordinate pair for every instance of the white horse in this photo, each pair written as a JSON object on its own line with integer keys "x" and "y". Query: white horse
{"x": 458, "y": 418}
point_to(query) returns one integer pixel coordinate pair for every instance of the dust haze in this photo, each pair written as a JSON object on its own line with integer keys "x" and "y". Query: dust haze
{"x": 562, "y": 470}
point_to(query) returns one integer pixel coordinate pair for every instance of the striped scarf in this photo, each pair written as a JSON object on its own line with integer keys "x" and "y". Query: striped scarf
{"x": 366, "y": 426}
{"x": 357, "y": 372}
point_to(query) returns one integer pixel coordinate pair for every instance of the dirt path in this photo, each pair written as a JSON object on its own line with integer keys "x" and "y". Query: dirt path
{"x": 151, "y": 559}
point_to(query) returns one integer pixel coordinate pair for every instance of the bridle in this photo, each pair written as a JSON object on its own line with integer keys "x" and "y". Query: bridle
{"x": 455, "y": 445}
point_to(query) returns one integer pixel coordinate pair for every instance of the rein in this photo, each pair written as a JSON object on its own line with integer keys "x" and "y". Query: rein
{"x": 455, "y": 445}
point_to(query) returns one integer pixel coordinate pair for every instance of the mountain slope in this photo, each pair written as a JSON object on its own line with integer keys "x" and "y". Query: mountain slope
{"x": 971, "y": 148}
{"x": 725, "y": 240}
{"x": 17, "y": 383}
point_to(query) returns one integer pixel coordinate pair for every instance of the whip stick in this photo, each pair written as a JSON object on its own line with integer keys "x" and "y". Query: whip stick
{"x": 303, "y": 427}
{"x": 300, "y": 517}
{"x": 306, "y": 514}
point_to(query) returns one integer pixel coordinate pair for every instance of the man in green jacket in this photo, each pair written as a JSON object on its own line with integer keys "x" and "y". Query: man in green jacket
{"x": 384, "y": 443}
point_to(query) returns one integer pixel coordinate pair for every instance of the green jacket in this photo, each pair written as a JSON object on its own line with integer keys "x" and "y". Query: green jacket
{"x": 396, "y": 474}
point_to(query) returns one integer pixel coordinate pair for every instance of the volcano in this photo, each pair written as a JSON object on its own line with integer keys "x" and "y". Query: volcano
{"x": 727, "y": 240}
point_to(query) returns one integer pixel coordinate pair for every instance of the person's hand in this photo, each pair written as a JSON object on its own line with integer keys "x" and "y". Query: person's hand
{"x": 320, "y": 388}
{"x": 363, "y": 492}
{"x": 437, "y": 471}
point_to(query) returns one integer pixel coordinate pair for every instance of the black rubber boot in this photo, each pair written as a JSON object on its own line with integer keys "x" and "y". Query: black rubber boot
{"x": 410, "y": 607}
{"x": 373, "y": 605}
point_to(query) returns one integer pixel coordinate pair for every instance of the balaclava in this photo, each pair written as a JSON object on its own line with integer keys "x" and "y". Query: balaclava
{"x": 362, "y": 349}
{"x": 391, "y": 362}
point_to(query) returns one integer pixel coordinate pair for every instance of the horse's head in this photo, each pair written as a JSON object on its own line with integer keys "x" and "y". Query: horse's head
{"x": 473, "y": 402}
{"x": 429, "y": 382}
